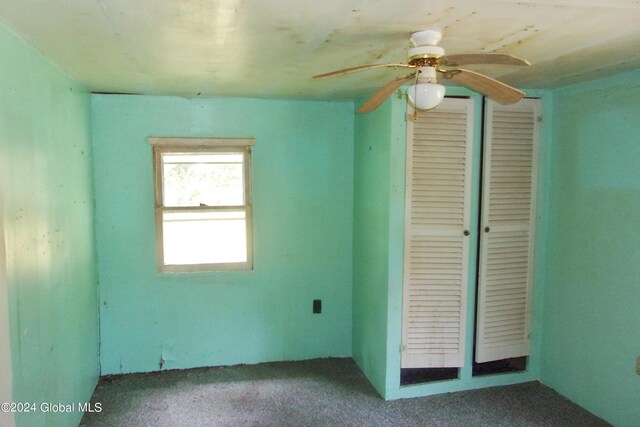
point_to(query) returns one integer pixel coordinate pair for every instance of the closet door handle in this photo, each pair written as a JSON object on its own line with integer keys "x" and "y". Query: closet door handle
{"x": 466, "y": 232}
{"x": 486, "y": 229}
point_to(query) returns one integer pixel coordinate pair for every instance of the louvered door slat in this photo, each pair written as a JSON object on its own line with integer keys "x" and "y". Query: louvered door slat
{"x": 506, "y": 250}
{"x": 436, "y": 250}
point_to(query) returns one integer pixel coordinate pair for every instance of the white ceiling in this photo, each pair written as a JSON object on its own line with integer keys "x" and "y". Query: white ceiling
{"x": 271, "y": 48}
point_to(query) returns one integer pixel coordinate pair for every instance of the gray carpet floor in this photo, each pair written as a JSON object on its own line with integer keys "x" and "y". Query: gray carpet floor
{"x": 320, "y": 392}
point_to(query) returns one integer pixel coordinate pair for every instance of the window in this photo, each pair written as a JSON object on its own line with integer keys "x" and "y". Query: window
{"x": 203, "y": 203}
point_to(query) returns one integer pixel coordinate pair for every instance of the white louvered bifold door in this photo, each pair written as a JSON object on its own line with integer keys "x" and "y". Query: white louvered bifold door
{"x": 439, "y": 144}
{"x": 507, "y": 230}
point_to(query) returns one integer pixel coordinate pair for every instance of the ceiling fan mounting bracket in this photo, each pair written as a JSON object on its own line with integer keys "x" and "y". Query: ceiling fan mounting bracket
{"x": 426, "y": 38}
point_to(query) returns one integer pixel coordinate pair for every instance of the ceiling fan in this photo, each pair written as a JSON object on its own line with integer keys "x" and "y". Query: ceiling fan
{"x": 428, "y": 59}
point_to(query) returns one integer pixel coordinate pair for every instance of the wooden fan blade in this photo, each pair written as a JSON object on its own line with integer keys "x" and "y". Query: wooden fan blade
{"x": 360, "y": 68}
{"x": 482, "y": 58}
{"x": 383, "y": 93}
{"x": 498, "y": 91}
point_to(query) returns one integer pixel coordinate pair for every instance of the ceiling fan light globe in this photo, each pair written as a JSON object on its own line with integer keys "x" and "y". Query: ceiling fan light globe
{"x": 425, "y": 96}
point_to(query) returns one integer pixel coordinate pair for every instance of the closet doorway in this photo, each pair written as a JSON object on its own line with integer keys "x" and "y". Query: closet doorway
{"x": 438, "y": 294}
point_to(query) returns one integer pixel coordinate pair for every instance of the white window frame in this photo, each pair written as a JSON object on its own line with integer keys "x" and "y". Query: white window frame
{"x": 202, "y": 145}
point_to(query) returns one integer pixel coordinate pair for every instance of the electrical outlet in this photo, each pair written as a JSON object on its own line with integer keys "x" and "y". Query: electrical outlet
{"x": 317, "y": 306}
{"x": 638, "y": 365}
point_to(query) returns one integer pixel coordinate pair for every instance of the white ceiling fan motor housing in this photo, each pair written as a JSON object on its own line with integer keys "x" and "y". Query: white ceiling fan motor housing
{"x": 425, "y": 52}
{"x": 425, "y": 45}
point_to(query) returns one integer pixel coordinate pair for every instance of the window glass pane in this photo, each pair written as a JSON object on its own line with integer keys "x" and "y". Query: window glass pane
{"x": 212, "y": 179}
{"x": 204, "y": 237}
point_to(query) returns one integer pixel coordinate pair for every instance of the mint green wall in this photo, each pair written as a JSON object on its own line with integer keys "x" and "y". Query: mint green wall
{"x": 303, "y": 213}
{"x": 592, "y": 317}
{"x": 378, "y": 231}
{"x": 47, "y": 225}
{"x": 371, "y": 242}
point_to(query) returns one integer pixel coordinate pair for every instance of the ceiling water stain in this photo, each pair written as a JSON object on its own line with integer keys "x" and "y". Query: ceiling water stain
{"x": 169, "y": 49}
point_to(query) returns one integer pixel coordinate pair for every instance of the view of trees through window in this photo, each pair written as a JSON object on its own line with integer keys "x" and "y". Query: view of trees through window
{"x": 213, "y": 229}
{"x": 191, "y": 179}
